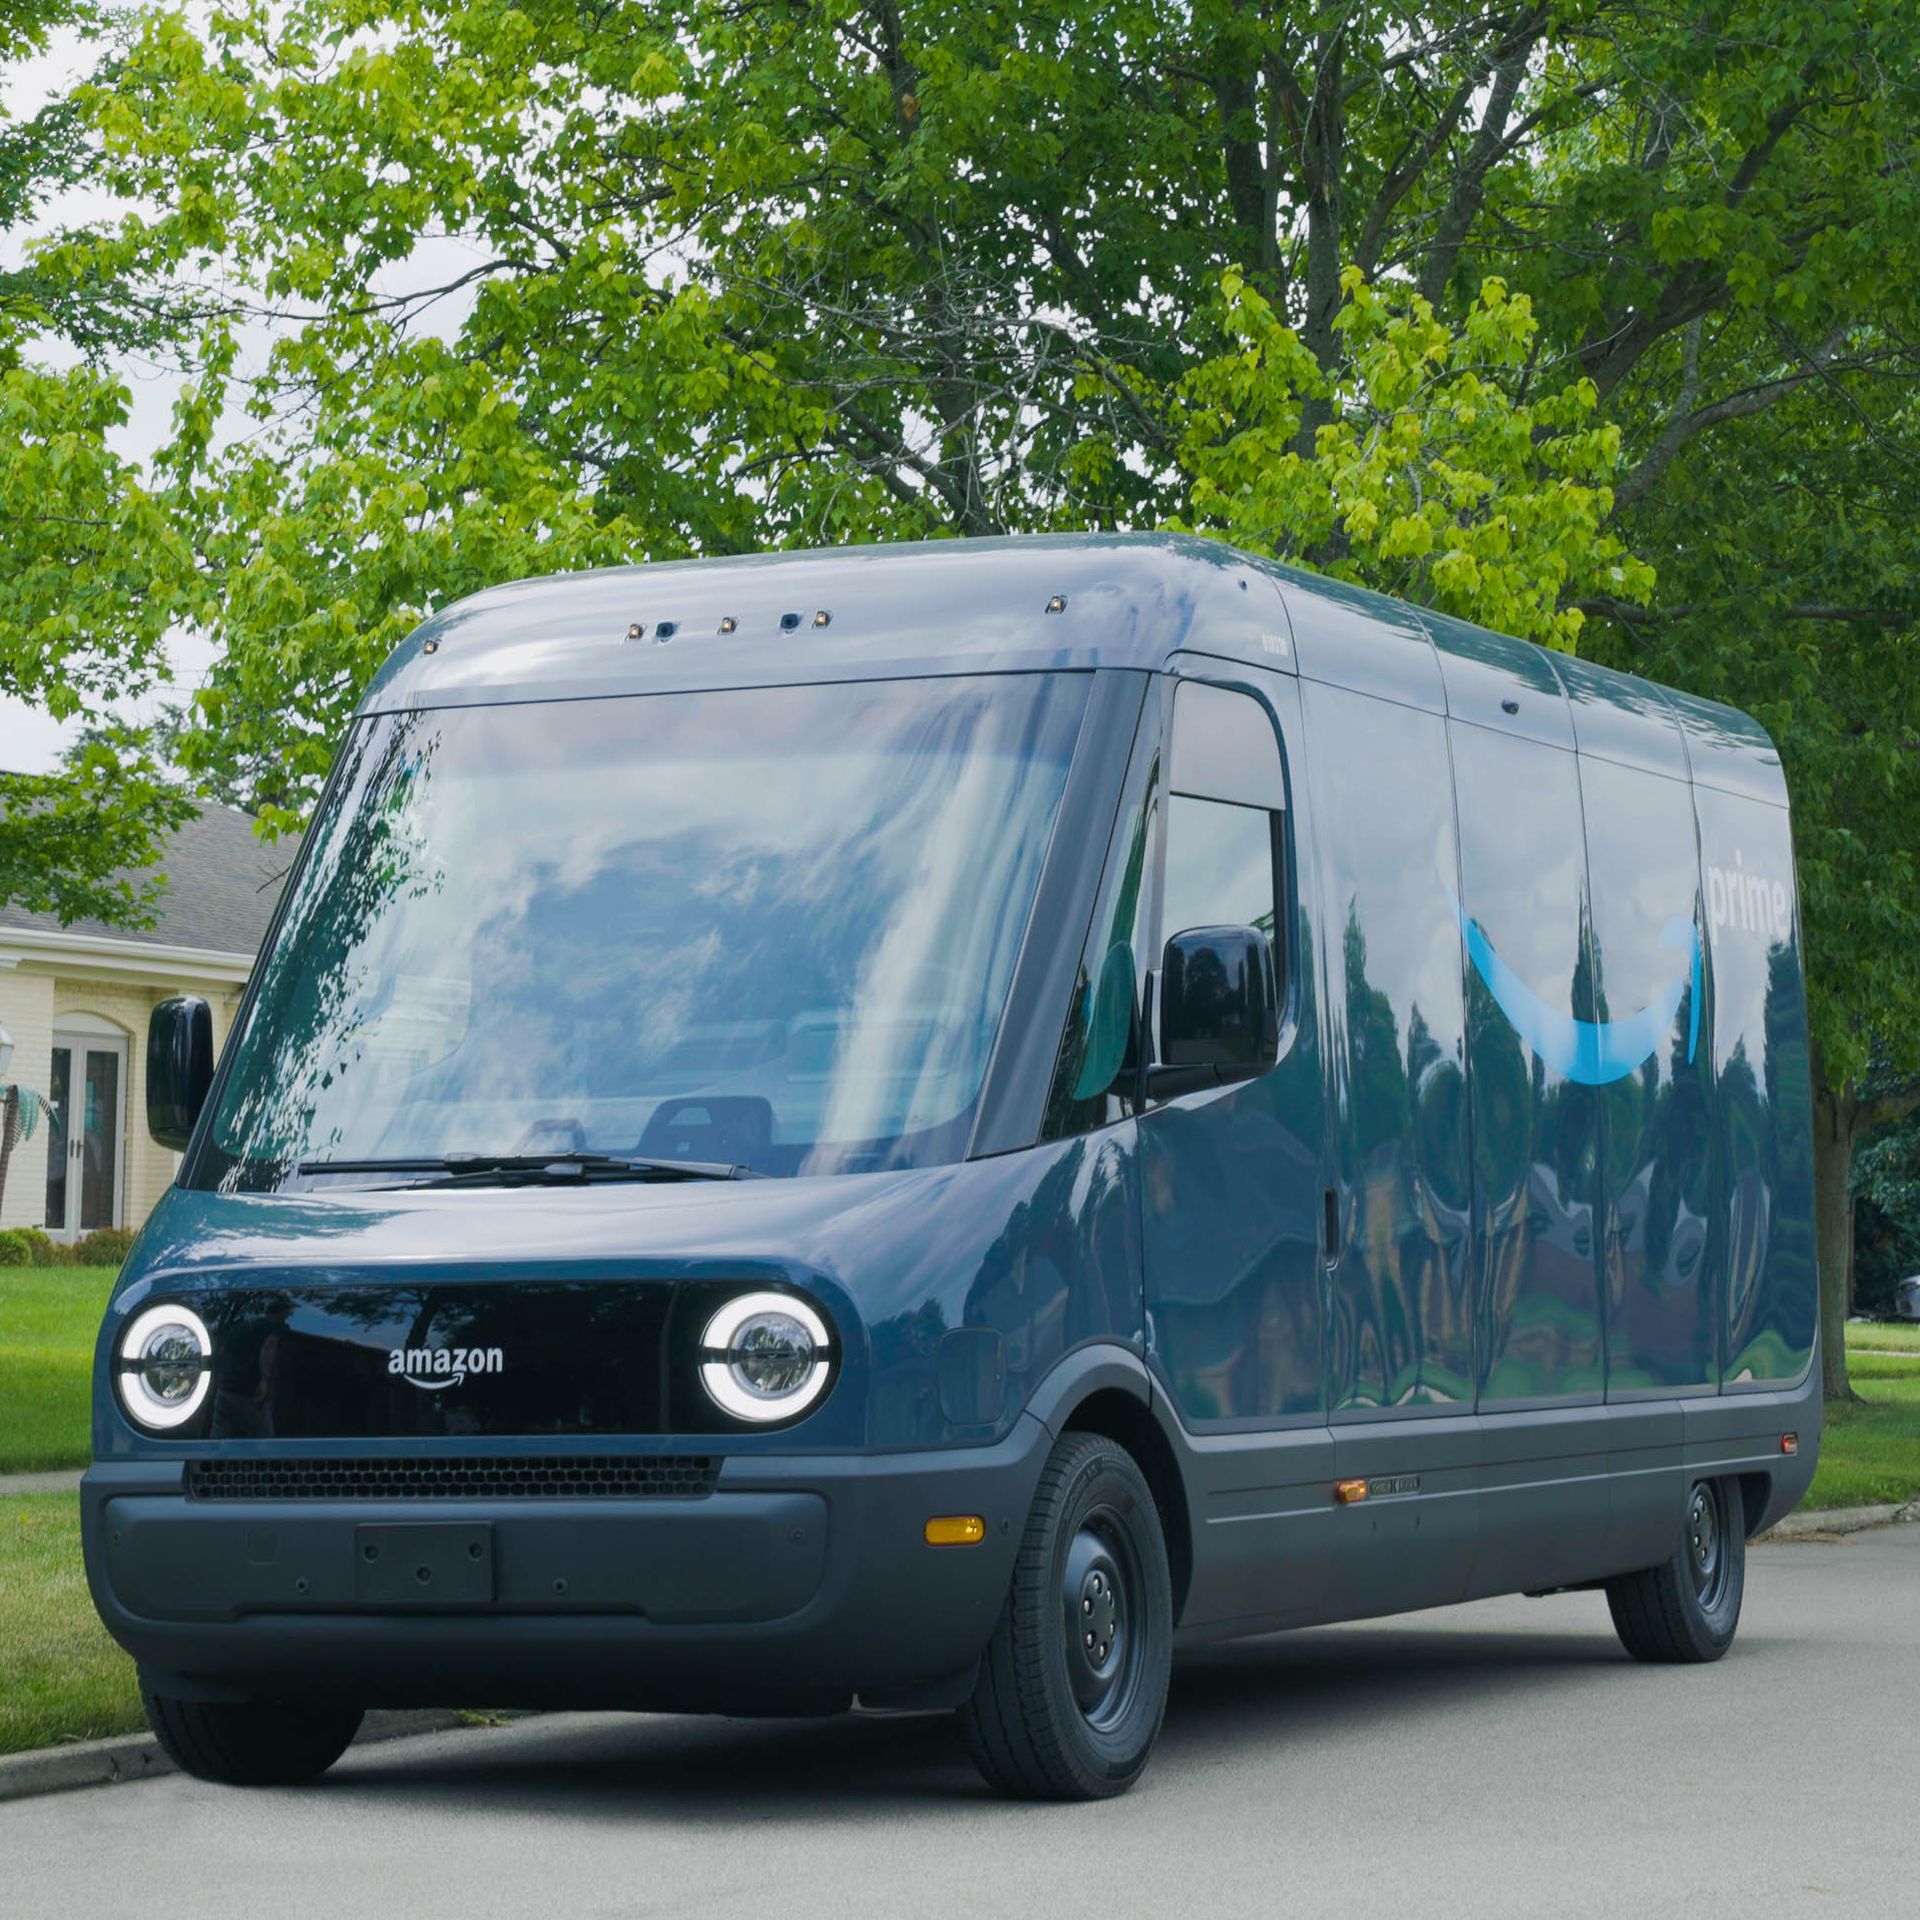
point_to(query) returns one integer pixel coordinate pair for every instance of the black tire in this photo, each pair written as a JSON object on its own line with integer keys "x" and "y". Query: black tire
{"x": 253, "y": 1745}
{"x": 1686, "y": 1608}
{"x": 1071, "y": 1711}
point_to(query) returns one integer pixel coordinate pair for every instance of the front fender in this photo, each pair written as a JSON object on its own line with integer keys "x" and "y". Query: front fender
{"x": 1098, "y": 1367}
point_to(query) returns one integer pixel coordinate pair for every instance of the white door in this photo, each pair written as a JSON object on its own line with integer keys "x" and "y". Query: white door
{"x": 86, "y": 1134}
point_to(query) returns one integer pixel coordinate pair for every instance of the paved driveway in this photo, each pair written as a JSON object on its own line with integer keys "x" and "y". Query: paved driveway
{"x": 1504, "y": 1758}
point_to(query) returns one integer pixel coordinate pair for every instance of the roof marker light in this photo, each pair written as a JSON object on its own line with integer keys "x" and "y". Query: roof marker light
{"x": 788, "y": 621}
{"x": 728, "y": 623}
{"x": 636, "y": 631}
{"x": 431, "y": 646}
{"x": 666, "y": 630}
{"x": 823, "y": 618}
{"x": 1058, "y": 604}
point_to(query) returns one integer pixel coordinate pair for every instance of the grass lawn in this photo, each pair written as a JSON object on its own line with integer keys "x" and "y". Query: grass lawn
{"x": 48, "y": 1318}
{"x": 1871, "y": 1453}
{"x": 1901, "y": 1334}
{"x": 65, "y": 1680}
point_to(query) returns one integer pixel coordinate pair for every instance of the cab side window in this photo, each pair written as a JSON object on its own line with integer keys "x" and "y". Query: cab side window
{"x": 1223, "y": 960}
{"x": 1221, "y": 865}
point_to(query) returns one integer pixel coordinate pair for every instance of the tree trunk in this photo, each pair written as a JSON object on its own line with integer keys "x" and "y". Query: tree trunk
{"x": 1833, "y": 1139}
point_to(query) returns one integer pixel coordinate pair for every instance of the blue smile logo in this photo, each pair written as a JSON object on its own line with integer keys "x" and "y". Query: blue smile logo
{"x": 1591, "y": 1052}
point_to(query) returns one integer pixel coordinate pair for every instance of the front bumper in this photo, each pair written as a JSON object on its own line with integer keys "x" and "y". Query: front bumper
{"x": 797, "y": 1583}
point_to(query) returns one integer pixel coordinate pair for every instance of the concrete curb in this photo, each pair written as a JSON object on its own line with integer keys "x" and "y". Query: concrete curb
{"x": 137, "y": 1756}
{"x": 58, "y": 1482}
{"x": 1826, "y": 1523}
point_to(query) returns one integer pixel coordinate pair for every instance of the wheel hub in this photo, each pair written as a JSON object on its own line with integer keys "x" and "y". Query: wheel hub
{"x": 1096, "y": 1598}
{"x": 1706, "y": 1543}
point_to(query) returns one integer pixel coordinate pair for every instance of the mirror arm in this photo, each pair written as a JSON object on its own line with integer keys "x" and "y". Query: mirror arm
{"x": 1143, "y": 1068}
{"x": 1163, "y": 1083}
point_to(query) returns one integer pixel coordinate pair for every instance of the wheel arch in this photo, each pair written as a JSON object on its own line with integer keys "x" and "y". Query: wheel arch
{"x": 1128, "y": 1422}
{"x": 1105, "y": 1388}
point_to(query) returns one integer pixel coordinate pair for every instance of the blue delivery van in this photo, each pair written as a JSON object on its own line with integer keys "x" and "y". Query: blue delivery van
{"x": 924, "y": 1126}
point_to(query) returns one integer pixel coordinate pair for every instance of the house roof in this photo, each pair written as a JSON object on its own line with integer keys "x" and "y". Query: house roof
{"x": 222, "y": 885}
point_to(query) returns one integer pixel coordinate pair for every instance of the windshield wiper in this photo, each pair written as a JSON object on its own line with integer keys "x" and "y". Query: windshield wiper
{"x": 537, "y": 1169}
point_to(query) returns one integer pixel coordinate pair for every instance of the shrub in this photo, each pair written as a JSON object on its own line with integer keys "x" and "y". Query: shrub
{"x": 48, "y": 1252}
{"x": 104, "y": 1247}
{"x": 15, "y": 1249}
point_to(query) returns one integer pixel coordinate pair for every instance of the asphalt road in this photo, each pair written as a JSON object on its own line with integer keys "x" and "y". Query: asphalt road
{"x": 1504, "y": 1758}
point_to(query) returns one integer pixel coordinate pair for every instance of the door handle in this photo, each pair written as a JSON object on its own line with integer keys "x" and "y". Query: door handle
{"x": 1330, "y": 1226}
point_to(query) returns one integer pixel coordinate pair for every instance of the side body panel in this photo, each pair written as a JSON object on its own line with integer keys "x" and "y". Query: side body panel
{"x": 1535, "y": 1114}
{"x": 1568, "y": 1125}
{"x": 1656, "y": 1200}
{"x": 1762, "y": 1233}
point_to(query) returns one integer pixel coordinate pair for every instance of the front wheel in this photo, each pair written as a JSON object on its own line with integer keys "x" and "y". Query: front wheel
{"x": 255, "y": 1744}
{"x": 1686, "y": 1608}
{"x": 1074, "y": 1681}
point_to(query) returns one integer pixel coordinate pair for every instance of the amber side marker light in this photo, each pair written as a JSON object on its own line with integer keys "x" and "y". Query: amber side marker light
{"x": 1789, "y": 1443}
{"x": 956, "y": 1530}
{"x": 1348, "y": 1491}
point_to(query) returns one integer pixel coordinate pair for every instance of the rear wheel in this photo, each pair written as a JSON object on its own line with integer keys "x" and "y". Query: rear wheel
{"x": 1074, "y": 1681}
{"x": 256, "y": 1744}
{"x": 1686, "y": 1609}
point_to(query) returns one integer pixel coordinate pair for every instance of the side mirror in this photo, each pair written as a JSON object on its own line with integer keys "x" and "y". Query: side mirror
{"x": 1219, "y": 1009}
{"x": 179, "y": 1068}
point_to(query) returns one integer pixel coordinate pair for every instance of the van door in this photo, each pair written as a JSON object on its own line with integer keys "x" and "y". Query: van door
{"x": 1546, "y": 1479}
{"x": 1400, "y": 1303}
{"x": 1231, "y": 1176}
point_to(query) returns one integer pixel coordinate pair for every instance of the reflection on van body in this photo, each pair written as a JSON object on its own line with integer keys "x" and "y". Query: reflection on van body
{"x": 1250, "y": 1103}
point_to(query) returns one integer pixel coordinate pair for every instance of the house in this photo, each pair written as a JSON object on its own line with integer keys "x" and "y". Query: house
{"x": 75, "y": 1000}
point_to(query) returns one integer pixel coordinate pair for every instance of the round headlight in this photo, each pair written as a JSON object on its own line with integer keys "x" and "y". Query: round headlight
{"x": 166, "y": 1366}
{"x": 765, "y": 1356}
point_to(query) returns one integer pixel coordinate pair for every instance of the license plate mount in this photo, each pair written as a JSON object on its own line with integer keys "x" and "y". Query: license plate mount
{"x": 429, "y": 1565}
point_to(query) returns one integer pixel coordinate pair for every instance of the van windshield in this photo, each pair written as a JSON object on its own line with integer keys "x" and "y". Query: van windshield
{"x": 771, "y": 928}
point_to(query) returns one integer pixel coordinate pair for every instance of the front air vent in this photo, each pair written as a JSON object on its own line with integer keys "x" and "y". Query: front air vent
{"x": 660, "y": 1476}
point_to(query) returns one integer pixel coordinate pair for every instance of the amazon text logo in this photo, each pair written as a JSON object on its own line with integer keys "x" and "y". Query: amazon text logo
{"x": 431, "y": 1367}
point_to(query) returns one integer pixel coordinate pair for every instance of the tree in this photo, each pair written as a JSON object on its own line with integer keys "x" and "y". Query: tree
{"x": 1886, "y": 1197}
{"x": 1496, "y": 303}
{"x": 92, "y": 566}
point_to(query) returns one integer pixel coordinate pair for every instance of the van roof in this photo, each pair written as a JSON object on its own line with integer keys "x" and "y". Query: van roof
{"x": 1032, "y": 603}
{"x": 928, "y": 606}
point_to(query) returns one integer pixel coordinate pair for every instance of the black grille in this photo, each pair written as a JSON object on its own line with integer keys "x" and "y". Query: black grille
{"x": 659, "y": 1476}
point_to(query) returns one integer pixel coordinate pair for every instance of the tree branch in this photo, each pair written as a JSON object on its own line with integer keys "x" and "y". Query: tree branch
{"x": 1470, "y": 183}
{"x": 1685, "y": 419}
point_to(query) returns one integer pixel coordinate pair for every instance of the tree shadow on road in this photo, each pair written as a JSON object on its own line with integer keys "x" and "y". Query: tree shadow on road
{"x": 1263, "y": 1700}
